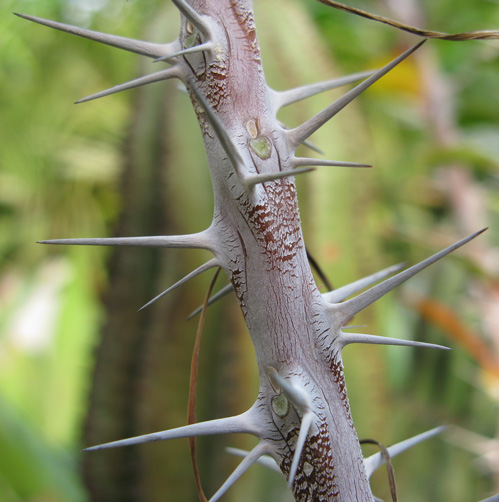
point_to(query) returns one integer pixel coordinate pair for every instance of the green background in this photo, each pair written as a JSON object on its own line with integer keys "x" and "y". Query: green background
{"x": 134, "y": 162}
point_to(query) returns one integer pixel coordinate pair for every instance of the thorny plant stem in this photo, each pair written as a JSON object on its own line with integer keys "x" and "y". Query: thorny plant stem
{"x": 301, "y": 415}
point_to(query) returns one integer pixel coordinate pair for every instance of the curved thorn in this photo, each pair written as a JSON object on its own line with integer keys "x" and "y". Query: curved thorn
{"x": 344, "y": 292}
{"x": 306, "y": 423}
{"x": 223, "y": 292}
{"x": 372, "y": 463}
{"x": 201, "y": 240}
{"x": 252, "y": 457}
{"x": 243, "y": 423}
{"x": 285, "y": 98}
{"x": 147, "y": 79}
{"x": 306, "y": 161}
{"x": 208, "y": 46}
{"x": 128, "y": 44}
{"x": 265, "y": 460}
{"x": 195, "y": 18}
{"x": 206, "y": 266}
{"x": 297, "y": 135}
{"x": 351, "y": 307}
{"x": 254, "y": 179}
{"x": 348, "y": 338}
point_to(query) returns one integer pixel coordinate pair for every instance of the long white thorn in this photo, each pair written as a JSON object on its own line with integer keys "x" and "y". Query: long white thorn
{"x": 348, "y": 338}
{"x": 128, "y": 44}
{"x": 306, "y": 423}
{"x": 307, "y": 161}
{"x": 254, "y": 179}
{"x": 285, "y": 98}
{"x": 299, "y": 134}
{"x": 252, "y": 457}
{"x": 340, "y": 294}
{"x": 243, "y": 423}
{"x": 219, "y": 294}
{"x": 206, "y": 266}
{"x": 201, "y": 240}
{"x": 147, "y": 79}
{"x": 223, "y": 136}
{"x": 208, "y": 46}
{"x": 195, "y": 18}
{"x": 265, "y": 460}
{"x": 351, "y": 307}
{"x": 372, "y": 463}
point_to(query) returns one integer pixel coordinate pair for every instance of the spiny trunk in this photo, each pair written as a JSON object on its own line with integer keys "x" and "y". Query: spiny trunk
{"x": 301, "y": 415}
{"x": 259, "y": 243}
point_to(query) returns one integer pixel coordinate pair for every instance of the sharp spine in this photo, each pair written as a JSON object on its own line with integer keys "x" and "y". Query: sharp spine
{"x": 255, "y": 179}
{"x": 306, "y": 161}
{"x": 297, "y": 135}
{"x": 209, "y": 264}
{"x": 351, "y": 307}
{"x": 195, "y": 18}
{"x": 297, "y": 395}
{"x": 348, "y": 338}
{"x": 306, "y": 423}
{"x": 147, "y": 79}
{"x": 265, "y": 460}
{"x": 290, "y": 96}
{"x": 239, "y": 424}
{"x": 148, "y": 49}
{"x": 200, "y": 240}
{"x": 208, "y": 46}
{"x": 312, "y": 147}
{"x": 252, "y": 457}
{"x": 228, "y": 145}
{"x": 372, "y": 463}
{"x": 220, "y": 294}
{"x": 306, "y": 143}
{"x": 300, "y": 398}
{"x": 344, "y": 292}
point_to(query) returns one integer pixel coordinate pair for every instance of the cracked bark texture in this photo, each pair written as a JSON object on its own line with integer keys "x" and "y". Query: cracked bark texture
{"x": 259, "y": 242}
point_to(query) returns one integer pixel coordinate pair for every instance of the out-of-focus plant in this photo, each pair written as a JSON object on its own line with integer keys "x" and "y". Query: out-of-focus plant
{"x": 59, "y": 170}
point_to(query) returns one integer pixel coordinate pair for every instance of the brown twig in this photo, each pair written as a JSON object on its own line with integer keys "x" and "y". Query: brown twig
{"x": 469, "y": 35}
{"x": 319, "y": 271}
{"x": 191, "y": 409}
{"x": 391, "y": 473}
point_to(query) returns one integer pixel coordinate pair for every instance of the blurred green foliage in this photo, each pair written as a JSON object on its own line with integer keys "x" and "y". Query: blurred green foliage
{"x": 60, "y": 168}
